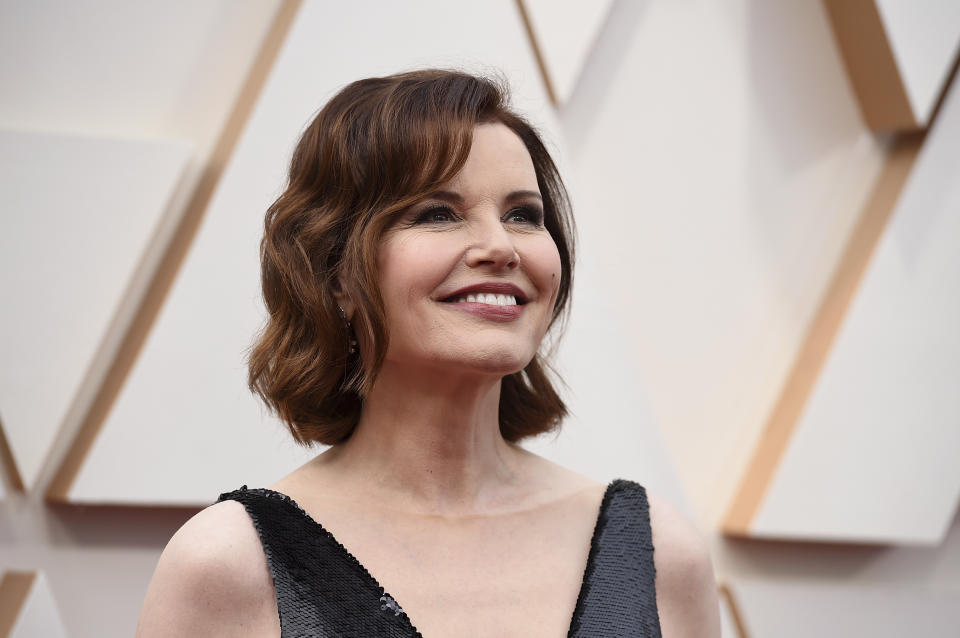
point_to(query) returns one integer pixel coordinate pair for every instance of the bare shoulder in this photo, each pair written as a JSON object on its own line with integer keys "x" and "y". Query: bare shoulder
{"x": 554, "y": 481}
{"x": 686, "y": 588}
{"x": 212, "y": 580}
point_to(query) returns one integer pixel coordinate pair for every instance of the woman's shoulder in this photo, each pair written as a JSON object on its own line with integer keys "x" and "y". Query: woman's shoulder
{"x": 681, "y": 556}
{"x": 686, "y": 588}
{"x": 212, "y": 579}
{"x": 674, "y": 534}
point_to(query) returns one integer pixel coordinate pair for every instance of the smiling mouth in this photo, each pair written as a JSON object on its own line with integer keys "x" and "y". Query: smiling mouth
{"x": 489, "y": 299}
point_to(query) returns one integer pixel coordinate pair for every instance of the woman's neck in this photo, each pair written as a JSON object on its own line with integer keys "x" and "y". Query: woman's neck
{"x": 430, "y": 442}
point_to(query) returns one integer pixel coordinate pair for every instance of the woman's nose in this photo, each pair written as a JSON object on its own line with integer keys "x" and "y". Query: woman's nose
{"x": 492, "y": 245}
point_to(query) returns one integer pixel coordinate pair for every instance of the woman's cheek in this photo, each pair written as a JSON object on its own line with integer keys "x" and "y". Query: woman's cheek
{"x": 549, "y": 266}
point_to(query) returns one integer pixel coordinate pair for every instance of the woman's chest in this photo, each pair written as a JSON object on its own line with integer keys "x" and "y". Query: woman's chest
{"x": 496, "y": 576}
{"x": 483, "y": 587}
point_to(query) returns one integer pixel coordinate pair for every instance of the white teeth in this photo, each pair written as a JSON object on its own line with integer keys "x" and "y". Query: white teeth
{"x": 489, "y": 299}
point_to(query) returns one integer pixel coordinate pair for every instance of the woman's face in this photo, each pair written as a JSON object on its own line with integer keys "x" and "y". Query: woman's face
{"x": 469, "y": 276}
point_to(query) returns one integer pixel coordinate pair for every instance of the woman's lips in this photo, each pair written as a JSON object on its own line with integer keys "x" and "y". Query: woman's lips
{"x": 488, "y": 311}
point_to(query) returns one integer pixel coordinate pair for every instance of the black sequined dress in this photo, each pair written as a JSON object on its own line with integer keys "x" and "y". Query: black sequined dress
{"x": 323, "y": 591}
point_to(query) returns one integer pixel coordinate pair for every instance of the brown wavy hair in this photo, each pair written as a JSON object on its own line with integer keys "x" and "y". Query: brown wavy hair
{"x": 379, "y": 146}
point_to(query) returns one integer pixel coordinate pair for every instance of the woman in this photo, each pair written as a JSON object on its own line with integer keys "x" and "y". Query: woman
{"x": 411, "y": 269}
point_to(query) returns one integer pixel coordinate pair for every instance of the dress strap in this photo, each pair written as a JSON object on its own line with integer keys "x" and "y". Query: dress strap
{"x": 618, "y": 597}
{"x": 321, "y": 589}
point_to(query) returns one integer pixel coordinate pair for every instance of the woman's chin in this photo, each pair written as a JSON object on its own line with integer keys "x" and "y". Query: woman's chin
{"x": 487, "y": 364}
{"x": 497, "y": 361}
{"x": 499, "y": 368}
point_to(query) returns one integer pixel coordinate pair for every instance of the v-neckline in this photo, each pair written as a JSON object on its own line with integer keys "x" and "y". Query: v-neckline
{"x": 386, "y": 597}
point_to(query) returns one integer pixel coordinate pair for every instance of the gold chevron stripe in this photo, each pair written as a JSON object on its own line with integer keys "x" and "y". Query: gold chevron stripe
{"x": 870, "y": 64}
{"x": 14, "y": 588}
{"x": 727, "y": 594}
{"x": 537, "y": 53}
{"x": 8, "y": 462}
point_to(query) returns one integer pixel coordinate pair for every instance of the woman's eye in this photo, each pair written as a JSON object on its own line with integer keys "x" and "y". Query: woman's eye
{"x": 524, "y": 216}
{"x": 435, "y": 216}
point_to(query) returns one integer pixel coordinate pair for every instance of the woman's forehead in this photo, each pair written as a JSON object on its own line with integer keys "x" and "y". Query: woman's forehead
{"x": 498, "y": 163}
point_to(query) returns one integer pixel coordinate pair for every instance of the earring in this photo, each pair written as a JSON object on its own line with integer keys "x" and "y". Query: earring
{"x": 353, "y": 341}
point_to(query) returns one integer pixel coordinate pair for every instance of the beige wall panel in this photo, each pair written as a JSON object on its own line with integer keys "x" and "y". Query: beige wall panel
{"x": 563, "y": 33}
{"x": 924, "y": 37}
{"x": 874, "y": 455}
{"x": 184, "y": 427}
{"x": 720, "y": 162}
{"x": 114, "y": 68}
{"x": 802, "y": 609}
{"x": 916, "y": 567}
{"x": 79, "y": 216}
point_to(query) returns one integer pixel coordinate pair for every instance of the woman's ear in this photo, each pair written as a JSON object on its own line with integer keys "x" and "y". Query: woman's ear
{"x": 343, "y": 298}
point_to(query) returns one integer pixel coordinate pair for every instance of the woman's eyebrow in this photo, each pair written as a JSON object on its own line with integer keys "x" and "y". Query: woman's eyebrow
{"x": 457, "y": 198}
{"x": 515, "y": 195}
{"x": 447, "y": 196}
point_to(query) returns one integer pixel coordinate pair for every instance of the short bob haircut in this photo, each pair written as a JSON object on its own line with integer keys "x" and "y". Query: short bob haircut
{"x": 378, "y": 147}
